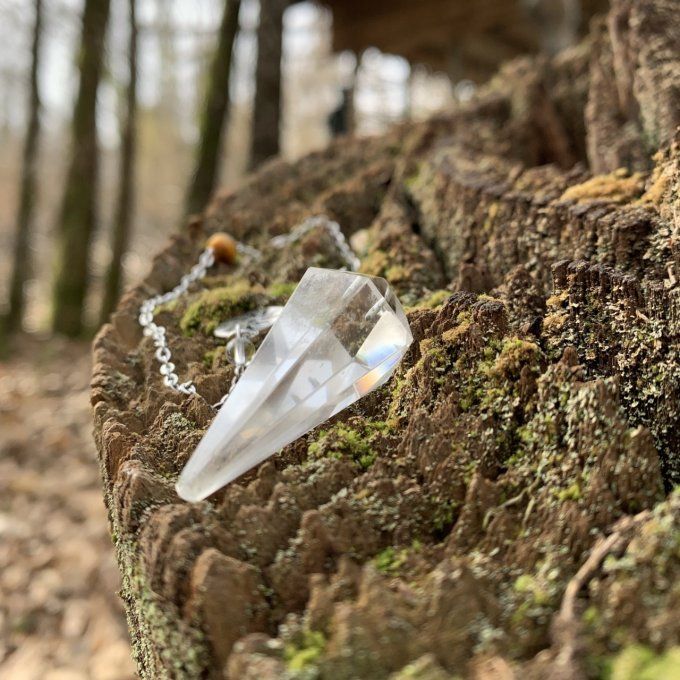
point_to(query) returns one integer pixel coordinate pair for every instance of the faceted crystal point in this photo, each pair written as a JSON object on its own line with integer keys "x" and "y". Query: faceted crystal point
{"x": 339, "y": 337}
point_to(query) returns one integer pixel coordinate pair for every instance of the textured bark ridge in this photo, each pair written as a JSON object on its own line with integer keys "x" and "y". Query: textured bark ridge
{"x": 504, "y": 504}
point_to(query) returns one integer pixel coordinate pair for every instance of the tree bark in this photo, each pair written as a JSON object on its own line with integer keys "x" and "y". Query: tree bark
{"x": 444, "y": 524}
{"x": 215, "y": 111}
{"x": 21, "y": 262}
{"x": 125, "y": 203}
{"x": 78, "y": 214}
{"x": 266, "y": 125}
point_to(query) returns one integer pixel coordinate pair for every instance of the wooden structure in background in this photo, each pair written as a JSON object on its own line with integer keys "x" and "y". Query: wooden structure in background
{"x": 465, "y": 38}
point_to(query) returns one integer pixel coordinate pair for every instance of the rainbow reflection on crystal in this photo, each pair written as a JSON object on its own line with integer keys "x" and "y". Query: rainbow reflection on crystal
{"x": 339, "y": 337}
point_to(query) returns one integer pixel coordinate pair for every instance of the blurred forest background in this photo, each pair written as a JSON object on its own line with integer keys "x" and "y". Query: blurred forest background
{"x": 176, "y": 42}
{"x": 118, "y": 120}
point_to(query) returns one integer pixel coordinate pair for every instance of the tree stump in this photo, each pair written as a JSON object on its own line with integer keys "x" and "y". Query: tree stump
{"x": 502, "y": 507}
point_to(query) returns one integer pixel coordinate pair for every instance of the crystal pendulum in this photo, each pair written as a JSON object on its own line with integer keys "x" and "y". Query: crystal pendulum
{"x": 339, "y": 337}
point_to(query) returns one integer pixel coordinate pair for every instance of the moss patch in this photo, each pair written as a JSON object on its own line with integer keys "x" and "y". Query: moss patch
{"x": 515, "y": 354}
{"x": 375, "y": 263}
{"x": 389, "y": 560}
{"x": 342, "y": 440}
{"x": 212, "y": 307}
{"x": 434, "y": 299}
{"x": 616, "y": 187}
{"x": 281, "y": 291}
{"x": 638, "y": 662}
{"x": 300, "y": 656}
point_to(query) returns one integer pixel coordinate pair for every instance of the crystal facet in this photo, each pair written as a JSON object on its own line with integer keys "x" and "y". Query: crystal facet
{"x": 339, "y": 337}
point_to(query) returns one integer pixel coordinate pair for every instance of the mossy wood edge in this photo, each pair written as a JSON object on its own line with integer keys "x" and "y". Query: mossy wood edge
{"x": 432, "y": 530}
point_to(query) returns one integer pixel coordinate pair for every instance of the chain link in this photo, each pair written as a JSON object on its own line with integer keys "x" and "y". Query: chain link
{"x": 237, "y": 349}
{"x": 333, "y": 229}
{"x": 159, "y": 334}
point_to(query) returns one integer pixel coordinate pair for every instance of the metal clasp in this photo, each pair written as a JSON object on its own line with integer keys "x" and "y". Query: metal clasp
{"x": 241, "y": 330}
{"x": 250, "y": 323}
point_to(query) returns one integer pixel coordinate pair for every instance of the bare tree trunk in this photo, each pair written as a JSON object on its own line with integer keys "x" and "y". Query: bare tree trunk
{"x": 78, "y": 209}
{"x": 124, "y": 206}
{"x": 170, "y": 104}
{"x": 21, "y": 262}
{"x": 215, "y": 110}
{"x": 267, "y": 106}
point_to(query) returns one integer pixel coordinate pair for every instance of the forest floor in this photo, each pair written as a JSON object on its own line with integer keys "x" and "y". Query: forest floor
{"x": 60, "y": 617}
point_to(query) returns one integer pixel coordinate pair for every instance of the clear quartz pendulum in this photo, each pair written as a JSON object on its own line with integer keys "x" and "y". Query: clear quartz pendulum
{"x": 339, "y": 337}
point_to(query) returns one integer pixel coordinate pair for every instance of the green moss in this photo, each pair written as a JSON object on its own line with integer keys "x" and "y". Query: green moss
{"x": 424, "y": 668}
{"x": 281, "y": 290}
{"x": 344, "y": 441}
{"x": 375, "y": 263}
{"x": 514, "y": 355}
{"x": 176, "y": 423}
{"x": 458, "y": 332}
{"x": 209, "y": 356}
{"x": 533, "y": 597}
{"x": 168, "y": 306}
{"x": 213, "y": 306}
{"x": 298, "y": 657}
{"x": 388, "y": 560}
{"x": 434, "y": 358}
{"x": 434, "y": 300}
{"x": 638, "y": 662}
{"x": 398, "y": 390}
{"x": 396, "y": 273}
{"x": 412, "y": 180}
{"x": 591, "y": 617}
{"x": 571, "y": 493}
{"x": 485, "y": 371}
{"x": 163, "y": 644}
{"x": 528, "y": 585}
{"x": 443, "y": 516}
{"x": 527, "y": 437}
{"x": 391, "y": 560}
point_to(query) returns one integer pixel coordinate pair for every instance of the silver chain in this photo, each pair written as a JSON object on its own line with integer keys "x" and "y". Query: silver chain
{"x": 237, "y": 347}
{"x": 158, "y": 332}
{"x": 333, "y": 229}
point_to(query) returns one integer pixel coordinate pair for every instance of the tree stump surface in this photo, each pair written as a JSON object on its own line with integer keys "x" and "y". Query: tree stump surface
{"x": 502, "y": 507}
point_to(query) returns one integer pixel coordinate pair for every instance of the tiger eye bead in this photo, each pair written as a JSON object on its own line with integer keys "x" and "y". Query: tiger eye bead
{"x": 224, "y": 247}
